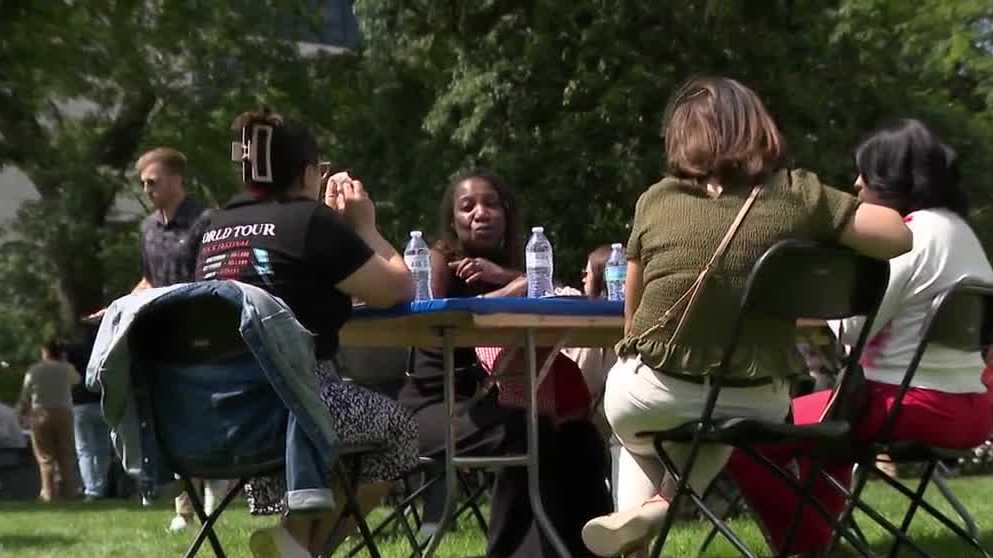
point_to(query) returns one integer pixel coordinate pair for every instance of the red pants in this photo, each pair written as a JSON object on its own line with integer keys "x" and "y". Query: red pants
{"x": 948, "y": 420}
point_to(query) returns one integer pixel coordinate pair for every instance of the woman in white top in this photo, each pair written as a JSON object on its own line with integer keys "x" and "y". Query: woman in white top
{"x": 905, "y": 167}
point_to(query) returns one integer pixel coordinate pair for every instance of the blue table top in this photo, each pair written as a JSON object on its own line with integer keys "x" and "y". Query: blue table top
{"x": 557, "y": 306}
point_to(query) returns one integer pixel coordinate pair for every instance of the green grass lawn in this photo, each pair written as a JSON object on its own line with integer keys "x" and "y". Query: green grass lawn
{"x": 123, "y": 529}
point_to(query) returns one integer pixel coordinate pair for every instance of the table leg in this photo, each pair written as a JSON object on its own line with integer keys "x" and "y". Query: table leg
{"x": 534, "y": 488}
{"x": 451, "y": 478}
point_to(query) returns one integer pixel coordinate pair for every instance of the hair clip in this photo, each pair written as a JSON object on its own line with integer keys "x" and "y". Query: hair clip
{"x": 260, "y": 153}
{"x": 239, "y": 152}
{"x": 254, "y": 152}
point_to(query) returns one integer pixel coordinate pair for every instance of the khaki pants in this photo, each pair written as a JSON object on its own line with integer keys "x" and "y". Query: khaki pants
{"x": 55, "y": 450}
{"x": 639, "y": 399}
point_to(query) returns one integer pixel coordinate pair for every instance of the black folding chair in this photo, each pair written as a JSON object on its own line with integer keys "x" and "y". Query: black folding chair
{"x": 407, "y": 512}
{"x": 201, "y": 333}
{"x": 793, "y": 279}
{"x": 385, "y": 372}
{"x": 959, "y": 318}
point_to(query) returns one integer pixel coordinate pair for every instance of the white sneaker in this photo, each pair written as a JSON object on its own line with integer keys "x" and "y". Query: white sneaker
{"x": 177, "y": 524}
{"x": 613, "y": 534}
{"x": 275, "y": 542}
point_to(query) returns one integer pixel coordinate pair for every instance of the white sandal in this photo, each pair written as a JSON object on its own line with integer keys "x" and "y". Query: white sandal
{"x": 613, "y": 534}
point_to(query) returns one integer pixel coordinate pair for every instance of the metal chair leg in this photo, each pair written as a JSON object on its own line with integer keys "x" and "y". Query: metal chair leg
{"x": 914, "y": 504}
{"x": 939, "y": 481}
{"x": 352, "y": 509}
{"x": 682, "y": 488}
{"x": 207, "y": 522}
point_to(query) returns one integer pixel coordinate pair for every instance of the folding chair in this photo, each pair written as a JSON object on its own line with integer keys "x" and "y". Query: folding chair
{"x": 191, "y": 348}
{"x": 406, "y": 516}
{"x": 385, "y": 372}
{"x": 959, "y": 318}
{"x": 793, "y": 279}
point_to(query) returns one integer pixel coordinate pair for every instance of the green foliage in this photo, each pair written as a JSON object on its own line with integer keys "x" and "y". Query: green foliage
{"x": 562, "y": 98}
{"x": 565, "y": 98}
{"x": 84, "y": 87}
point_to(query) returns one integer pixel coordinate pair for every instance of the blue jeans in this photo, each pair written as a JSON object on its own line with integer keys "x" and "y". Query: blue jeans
{"x": 92, "y": 448}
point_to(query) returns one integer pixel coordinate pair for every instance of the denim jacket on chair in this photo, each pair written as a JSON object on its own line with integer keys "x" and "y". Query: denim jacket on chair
{"x": 283, "y": 349}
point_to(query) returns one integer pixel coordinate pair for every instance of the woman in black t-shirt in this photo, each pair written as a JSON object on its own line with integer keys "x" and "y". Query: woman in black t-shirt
{"x": 479, "y": 254}
{"x": 316, "y": 257}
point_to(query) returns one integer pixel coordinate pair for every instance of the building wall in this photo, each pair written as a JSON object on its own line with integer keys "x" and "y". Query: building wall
{"x": 15, "y": 189}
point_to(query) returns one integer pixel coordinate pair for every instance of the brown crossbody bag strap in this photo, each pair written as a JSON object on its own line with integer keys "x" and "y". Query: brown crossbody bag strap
{"x": 693, "y": 292}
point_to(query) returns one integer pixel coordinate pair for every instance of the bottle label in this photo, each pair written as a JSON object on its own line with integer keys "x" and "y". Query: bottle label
{"x": 538, "y": 259}
{"x": 615, "y": 274}
{"x": 417, "y": 263}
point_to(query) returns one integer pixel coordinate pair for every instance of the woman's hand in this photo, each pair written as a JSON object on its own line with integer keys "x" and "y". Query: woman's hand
{"x": 481, "y": 270}
{"x": 347, "y": 197}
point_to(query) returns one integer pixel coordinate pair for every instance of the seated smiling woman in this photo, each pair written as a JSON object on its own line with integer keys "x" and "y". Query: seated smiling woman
{"x": 480, "y": 254}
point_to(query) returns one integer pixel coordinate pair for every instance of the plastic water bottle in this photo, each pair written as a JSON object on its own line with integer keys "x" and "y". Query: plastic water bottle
{"x": 538, "y": 256}
{"x": 615, "y": 272}
{"x": 417, "y": 256}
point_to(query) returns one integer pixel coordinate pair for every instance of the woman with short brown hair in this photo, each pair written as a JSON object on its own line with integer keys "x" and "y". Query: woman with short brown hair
{"x": 725, "y": 159}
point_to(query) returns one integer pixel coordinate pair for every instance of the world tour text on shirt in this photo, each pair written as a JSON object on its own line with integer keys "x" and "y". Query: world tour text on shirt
{"x": 227, "y": 253}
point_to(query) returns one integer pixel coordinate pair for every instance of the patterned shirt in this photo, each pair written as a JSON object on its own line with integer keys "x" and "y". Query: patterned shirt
{"x": 168, "y": 253}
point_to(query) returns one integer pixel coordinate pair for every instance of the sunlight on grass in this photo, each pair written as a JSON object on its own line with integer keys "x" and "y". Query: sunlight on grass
{"x": 123, "y": 529}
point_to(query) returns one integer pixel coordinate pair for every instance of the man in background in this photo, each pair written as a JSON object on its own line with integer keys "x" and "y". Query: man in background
{"x": 169, "y": 237}
{"x": 169, "y": 234}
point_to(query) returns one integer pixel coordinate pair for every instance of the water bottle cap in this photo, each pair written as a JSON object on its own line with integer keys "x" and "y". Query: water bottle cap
{"x": 616, "y": 246}
{"x": 538, "y": 229}
{"x": 416, "y": 234}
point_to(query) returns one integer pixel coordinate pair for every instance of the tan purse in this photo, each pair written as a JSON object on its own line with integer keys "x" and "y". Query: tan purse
{"x": 689, "y": 298}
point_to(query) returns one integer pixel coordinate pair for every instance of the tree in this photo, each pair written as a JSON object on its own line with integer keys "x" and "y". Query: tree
{"x": 563, "y": 98}
{"x": 566, "y": 98}
{"x": 84, "y": 87}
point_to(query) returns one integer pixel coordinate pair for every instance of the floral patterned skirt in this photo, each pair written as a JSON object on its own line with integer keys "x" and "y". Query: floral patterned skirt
{"x": 358, "y": 416}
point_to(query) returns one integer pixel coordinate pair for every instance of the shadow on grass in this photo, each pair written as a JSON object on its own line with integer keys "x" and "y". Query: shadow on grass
{"x": 939, "y": 544}
{"x": 13, "y": 543}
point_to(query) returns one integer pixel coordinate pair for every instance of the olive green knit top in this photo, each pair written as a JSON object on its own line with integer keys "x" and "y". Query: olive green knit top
{"x": 676, "y": 230}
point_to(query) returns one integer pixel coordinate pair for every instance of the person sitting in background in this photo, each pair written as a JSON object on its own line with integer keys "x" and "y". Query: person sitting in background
{"x": 479, "y": 253}
{"x": 46, "y": 401}
{"x": 905, "y": 167}
{"x": 724, "y": 151}
{"x": 315, "y": 257}
{"x": 594, "y": 362}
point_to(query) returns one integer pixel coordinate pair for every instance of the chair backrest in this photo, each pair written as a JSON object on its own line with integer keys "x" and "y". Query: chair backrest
{"x": 190, "y": 330}
{"x": 801, "y": 279}
{"x": 960, "y": 318}
{"x": 215, "y": 414}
